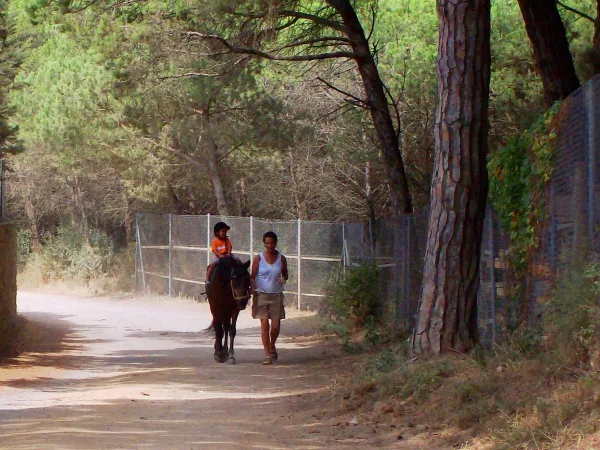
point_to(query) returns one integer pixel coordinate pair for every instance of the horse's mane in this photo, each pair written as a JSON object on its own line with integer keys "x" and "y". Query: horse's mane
{"x": 227, "y": 265}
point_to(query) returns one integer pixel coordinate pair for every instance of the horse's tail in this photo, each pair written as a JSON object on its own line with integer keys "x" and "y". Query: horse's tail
{"x": 209, "y": 328}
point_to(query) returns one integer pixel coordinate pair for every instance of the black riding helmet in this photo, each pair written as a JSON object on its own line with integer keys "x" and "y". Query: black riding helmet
{"x": 220, "y": 226}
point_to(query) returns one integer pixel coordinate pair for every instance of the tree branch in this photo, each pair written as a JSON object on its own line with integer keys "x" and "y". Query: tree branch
{"x": 253, "y": 51}
{"x": 294, "y": 14}
{"x": 373, "y": 20}
{"x": 176, "y": 151}
{"x": 577, "y": 12}
{"x": 315, "y": 19}
{"x": 190, "y": 75}
{"x": 396, "y": 110}
{"x": 356, "y": 99}
{"x": 332, "y": 39}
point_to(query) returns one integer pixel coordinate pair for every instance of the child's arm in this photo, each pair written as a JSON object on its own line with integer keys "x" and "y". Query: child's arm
{"x": 215, "y": 251}
{"x": 229, "y": 248}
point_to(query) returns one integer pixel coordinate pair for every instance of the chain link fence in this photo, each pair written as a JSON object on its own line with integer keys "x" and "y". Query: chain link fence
{"x": 571, "y": 230}
{"x": 173, "y": 251}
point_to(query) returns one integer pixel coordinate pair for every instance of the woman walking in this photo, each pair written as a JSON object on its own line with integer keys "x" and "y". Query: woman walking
{"x": 269, "y": 274}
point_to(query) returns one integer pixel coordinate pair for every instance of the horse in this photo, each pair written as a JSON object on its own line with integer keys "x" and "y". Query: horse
{"x": 228, "y": 294}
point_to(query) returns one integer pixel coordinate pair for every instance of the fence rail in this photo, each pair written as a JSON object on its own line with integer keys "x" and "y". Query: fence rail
{"x": 173, "y": 251}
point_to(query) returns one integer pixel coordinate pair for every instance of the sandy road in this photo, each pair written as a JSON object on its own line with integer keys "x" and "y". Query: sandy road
{"x": 138, "y": 374}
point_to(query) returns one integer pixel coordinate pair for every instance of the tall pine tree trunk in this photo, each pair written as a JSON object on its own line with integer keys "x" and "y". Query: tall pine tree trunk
{"x": 447, "y": 317}
{"x": 553, "y": 59}
{"x": 206, "y": 141}
{"x": 378, "y": 105}
{"x": 596, "y": 40}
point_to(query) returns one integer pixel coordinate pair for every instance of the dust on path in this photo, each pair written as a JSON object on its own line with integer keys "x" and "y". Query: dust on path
{"x": 138, "y": 373}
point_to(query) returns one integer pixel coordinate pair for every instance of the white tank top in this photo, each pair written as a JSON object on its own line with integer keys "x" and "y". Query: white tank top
{"x": 266, "y": 280}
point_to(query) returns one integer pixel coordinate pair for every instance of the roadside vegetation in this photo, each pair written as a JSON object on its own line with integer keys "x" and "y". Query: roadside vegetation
{"x": 65, "y": 261}
{"x": 537, "y": 389}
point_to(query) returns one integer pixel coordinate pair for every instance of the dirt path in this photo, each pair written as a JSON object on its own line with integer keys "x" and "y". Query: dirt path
{"x": 137, "y": 373}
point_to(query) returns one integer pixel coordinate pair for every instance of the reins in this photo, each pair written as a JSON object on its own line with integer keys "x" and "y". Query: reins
{"x": 235, "y": 297}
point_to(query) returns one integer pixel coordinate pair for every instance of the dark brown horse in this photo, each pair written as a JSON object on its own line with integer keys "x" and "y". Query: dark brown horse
{"x": 228, "y": 294}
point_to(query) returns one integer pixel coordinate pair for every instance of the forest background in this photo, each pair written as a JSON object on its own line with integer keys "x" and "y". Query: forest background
{"x": 119, "y": 109}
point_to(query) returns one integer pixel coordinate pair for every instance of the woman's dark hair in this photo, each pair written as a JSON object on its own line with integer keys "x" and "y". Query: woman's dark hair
{"x": 270, "y": 234}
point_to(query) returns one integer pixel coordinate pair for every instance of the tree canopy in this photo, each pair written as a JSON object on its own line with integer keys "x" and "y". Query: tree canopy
{"x": 231, "y": 106}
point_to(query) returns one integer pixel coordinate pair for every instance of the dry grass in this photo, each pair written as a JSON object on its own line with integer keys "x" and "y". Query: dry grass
{"x": 539, "y": 390}
{"x": 493, "y": 403}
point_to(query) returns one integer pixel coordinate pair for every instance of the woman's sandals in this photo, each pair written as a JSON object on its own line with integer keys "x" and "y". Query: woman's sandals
{"x": 271, "y": 358}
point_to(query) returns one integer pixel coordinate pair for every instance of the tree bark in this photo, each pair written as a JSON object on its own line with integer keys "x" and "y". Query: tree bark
{"x": 551, "y": 52}
{"x": 206, "y": 141}
{"x": 80, "y": 203}
{"x": 242, "y": 196}
{"x": 447, "y": 317}
{"x": 596, "y": 40}
{"x": 128, "y": 219}
{"x": 30, "y": 213}
{"x": 377, "y": 103}
{"x": 300, "y": 210}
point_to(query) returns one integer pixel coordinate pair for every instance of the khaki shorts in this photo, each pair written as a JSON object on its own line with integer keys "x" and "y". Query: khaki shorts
{"x": 267, "y": 306}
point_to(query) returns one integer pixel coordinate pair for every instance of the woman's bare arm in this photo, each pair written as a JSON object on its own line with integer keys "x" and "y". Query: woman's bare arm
{"x": 254, "y": 273}
{"x": 284, "y": 269}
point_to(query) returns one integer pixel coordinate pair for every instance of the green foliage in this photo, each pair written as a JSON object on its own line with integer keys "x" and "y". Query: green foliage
{"x": 24, "y": 246}
{"x": 390, "y": 374}
{"x": 572, "y": 316}
{"x": 10, "y": 58}
{"x": 518, "y": 176}
{"x": 354, "y": 301}
{"x": 68, "y": 256}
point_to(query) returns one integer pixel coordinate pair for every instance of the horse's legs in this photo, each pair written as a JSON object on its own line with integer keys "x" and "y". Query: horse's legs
{"x": 218, "y": 324}
{"x": 225, "y": 338}
{"x": 232, "y": 333}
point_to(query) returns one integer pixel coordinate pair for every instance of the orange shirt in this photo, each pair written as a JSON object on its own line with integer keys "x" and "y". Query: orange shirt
{"x": 220, "y": 246}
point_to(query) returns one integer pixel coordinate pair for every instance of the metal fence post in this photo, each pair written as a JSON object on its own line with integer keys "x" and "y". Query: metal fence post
{"x": 299, "y": 243}
{"x": 251, "y": 239}
{"x": 137, "y": 257}
{"x": 170, "y": 254}
{"x": 397, "y": 289}
{"x": 492, "y": 272}
{"x": 3, "y": 189}
{"x": 407, "y": 271}
{"x": 553, "y": 256}
{"x": 139, "y": 244}
{"x": 589, "y": 94}
{"x": 344, "y": 248}
{"x": 207, "y": 240}
{"x": 371, "y": 243}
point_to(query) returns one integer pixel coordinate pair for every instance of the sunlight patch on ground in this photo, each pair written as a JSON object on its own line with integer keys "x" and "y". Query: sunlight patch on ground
{"x": 31, "y": 374}
{"x": 15, "y": 399}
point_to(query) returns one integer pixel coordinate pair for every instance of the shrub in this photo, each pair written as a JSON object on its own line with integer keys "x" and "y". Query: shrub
{"x": 24, "y": 246}
{"x": 354, "y": 302}
{"x": 66, "y": 255}
{"x": 572, "y": 317}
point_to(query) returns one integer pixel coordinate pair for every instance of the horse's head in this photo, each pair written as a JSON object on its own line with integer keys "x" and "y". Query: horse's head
{"x": 240, "y": 283}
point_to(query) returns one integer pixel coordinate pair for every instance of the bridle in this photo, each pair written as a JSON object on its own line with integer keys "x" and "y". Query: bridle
{"x": 235, "y": 297}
